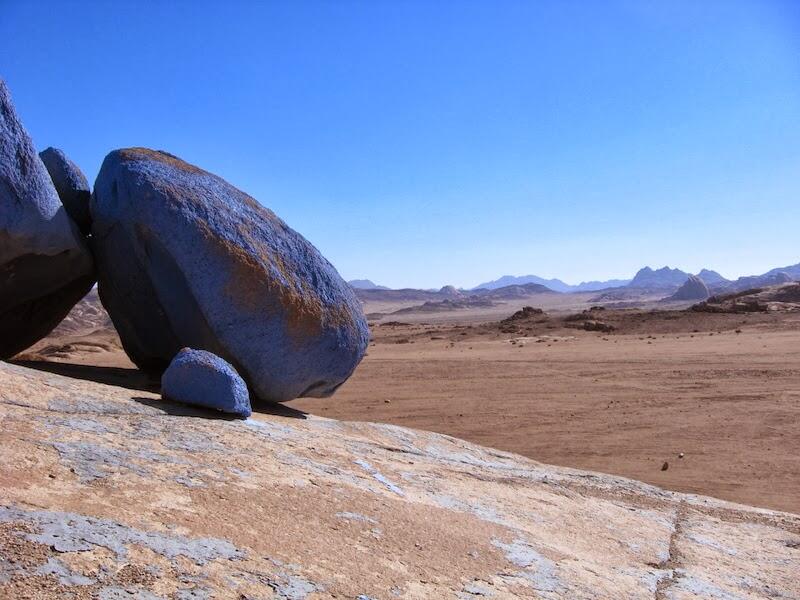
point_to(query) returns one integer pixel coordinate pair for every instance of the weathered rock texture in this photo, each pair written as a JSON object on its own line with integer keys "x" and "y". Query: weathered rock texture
{"x": 71, "y": 185}
{"x": 204, "y": 379}
{"x": 45, "y": 266}
{"x": 777, "y": 298}
{"x": 186, "y": 259}
{"x": 693, "y": 288}
{"x": 108, "y": 493}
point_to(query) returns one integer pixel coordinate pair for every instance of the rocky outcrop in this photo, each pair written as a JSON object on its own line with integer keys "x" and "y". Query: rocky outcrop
{"x": 71, "y": 185}
{"x": 511, "y": 292}
{"x": 593, "y": 325}
{"x": 663, "y": 278}
{"x": 449, "y": 291}
{"x": 45, "y": 266}
{"x": 111, "y": 493}
{"x": 589, "y": 320}
{"x": 526, "y": 313}
{"x": 710, "y": 277}
{"x": 187, "y": 260}
{"x": 203, "y": 379}
{"x": 693, "y": 289}
{"x": 751, "y": 282}
{"x": 778, "y": 298}
{"x": 757, "y": 281}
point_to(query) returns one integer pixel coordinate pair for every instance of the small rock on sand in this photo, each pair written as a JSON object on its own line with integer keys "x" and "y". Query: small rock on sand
{"x": 204, "y": 379}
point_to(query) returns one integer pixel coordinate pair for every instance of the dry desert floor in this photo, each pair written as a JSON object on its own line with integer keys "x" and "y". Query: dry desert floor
{"x": 715, "y": 398}
{"x": 621, "y": 403}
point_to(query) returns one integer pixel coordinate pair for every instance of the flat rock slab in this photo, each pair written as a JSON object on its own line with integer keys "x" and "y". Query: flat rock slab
{"x": 113, "y": 493}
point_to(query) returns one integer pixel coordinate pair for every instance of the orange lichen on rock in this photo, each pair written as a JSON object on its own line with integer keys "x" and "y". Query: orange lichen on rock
{"x": 251, "y": 282}
{"x": 239, "y": 282}
{"x": 138, "y": 153}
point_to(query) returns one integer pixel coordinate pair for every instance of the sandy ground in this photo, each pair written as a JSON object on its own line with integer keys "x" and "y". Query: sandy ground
{"x": 381, "y": 312}
{"x": 623, "y": 403}
{"x": 618, "y": 403}
{"x": 550, "y": 302}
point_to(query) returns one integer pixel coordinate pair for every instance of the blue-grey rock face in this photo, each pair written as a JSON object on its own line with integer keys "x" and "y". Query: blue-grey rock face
{"x": 204, "y": 379}
{"x": 187, "y": 260}
{"x": 71, "y": 185}
{"x": 45, "y": 265}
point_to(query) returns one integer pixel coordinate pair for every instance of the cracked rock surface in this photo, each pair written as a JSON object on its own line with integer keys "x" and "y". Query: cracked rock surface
{"x": 114, "y": 493}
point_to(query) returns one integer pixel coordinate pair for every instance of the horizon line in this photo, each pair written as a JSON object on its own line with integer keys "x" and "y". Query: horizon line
{"x": 586, "y": 281}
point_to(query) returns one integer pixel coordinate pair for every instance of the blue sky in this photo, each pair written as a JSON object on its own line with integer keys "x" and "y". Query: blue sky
{"x": 426, "y": 143}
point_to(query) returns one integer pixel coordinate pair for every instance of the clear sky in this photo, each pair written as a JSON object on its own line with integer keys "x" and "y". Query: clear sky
{"x": 426, "y": 143}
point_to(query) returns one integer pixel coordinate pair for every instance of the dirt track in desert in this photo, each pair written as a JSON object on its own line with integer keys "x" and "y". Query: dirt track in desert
{"x": 618, "y": 403}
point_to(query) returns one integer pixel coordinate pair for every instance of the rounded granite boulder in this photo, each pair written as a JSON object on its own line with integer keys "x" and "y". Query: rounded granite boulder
{"x": 204, "y": 379}
{"x": 186, "y": 259}
{"x": 71, "y": 185}
{"x": 693, "y": 288}
{"x": 45, "y": 265}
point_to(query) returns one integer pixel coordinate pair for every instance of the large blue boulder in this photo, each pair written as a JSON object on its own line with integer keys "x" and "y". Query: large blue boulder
{"x": 202, "y": 378}
{"x": 186, "y": 259}
{"x": 45, "y": 265}
{"x": 71, "y": 185}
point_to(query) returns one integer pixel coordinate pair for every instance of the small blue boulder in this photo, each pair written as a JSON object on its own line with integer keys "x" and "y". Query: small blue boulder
{"x": 204, "y": 379}
{"x": 71, "y": 185}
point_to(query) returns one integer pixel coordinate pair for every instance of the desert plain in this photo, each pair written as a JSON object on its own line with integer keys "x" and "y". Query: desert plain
{"x": 690, "y": 401}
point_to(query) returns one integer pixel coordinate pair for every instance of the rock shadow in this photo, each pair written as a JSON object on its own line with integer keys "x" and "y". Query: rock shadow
{"x": 128, "y": 378}
{"x": 136, "y": 380}
{"x": 275, "y": 408}
{"x": 187, "y": 410}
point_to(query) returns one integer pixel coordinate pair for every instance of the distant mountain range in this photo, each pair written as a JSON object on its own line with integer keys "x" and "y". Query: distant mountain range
{"x": 554, "y": 284}
{"x": 365, "y": 284}
{"x": 665, "y": 279}
{"x": 449, "y": 293}
{"x": 711, "y": 277}
{"x": 670, "y": 279}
